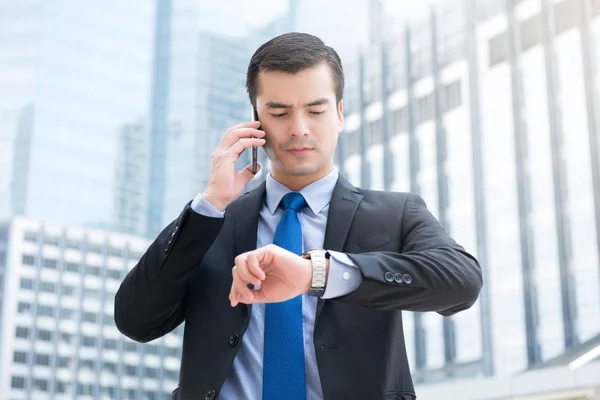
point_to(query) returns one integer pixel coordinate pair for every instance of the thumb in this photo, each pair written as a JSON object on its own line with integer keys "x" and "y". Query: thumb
{"x": 247, "y": 172}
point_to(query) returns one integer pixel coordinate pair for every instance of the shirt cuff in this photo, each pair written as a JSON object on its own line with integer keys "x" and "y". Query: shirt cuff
{"x": 203, "y": 207}
{"x": 343, "y": 277}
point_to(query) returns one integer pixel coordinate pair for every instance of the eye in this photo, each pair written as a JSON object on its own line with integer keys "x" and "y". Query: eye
{"x": 317, "y": 112}
{"x": 279, "y": 115}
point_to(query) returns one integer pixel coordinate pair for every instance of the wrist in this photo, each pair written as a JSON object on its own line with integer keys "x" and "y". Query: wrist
{"x": 218, "y": 203}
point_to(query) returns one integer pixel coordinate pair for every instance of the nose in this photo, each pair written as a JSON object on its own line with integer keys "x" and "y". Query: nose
{"x": 299, "y": 126}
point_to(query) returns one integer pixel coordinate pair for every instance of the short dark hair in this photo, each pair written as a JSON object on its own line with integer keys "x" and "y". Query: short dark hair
{"x": 294, "y": 52}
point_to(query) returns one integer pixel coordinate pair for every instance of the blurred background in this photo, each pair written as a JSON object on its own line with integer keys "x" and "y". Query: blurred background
{"x": 489, "y": 109}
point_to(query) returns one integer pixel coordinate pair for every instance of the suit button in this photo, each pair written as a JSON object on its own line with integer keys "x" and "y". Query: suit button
{"x": 389, "y": 277}
{"x": 398, "y": 278}
{"x": 210, "y": 395}
{"x": 407, "y": 279}
{"x": 234, "y": 339}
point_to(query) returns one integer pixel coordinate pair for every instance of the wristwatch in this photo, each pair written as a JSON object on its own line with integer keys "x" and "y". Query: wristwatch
{"x": 319, "y": 258}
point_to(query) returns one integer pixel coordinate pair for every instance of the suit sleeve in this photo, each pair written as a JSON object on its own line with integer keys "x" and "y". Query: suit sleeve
{"x": 150, "y": 301}
{"x": 430, "y": 273}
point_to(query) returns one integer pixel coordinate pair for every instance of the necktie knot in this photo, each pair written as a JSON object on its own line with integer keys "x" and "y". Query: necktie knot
{"x": 293, "y": 200}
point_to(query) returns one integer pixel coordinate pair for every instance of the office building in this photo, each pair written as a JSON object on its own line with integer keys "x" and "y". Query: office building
{"x": 132, "y": 180}
{"x": 84, "y": 71}
{"x": 58, "y": 336}
{"x": 489, "y": 110}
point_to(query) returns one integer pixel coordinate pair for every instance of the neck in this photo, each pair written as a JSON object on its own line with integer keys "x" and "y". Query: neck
{"x": 298, "y": 182}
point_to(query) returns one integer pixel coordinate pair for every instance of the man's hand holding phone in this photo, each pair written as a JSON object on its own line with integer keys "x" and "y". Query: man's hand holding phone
{"x": 226, "y": 184}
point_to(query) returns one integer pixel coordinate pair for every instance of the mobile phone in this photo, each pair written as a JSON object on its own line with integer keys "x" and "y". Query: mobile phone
{"x": 254, "y": 148}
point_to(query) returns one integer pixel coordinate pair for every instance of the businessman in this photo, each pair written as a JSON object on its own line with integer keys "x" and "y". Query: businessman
{"x": 295, "y": 289}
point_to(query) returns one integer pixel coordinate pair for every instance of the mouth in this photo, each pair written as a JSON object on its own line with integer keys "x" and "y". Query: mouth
{"x": 299, "y": 150}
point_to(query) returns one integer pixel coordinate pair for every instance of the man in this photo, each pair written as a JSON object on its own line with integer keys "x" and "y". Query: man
{"x": 295, "y": 289}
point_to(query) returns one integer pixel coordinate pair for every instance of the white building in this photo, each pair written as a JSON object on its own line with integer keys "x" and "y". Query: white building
{"x": 489, "y": 109}
{"x": 58, "y": 338}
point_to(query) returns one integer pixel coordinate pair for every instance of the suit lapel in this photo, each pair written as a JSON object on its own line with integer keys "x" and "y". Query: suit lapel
{"x": 245, "y": 215}
{"x": 344, "y": 203}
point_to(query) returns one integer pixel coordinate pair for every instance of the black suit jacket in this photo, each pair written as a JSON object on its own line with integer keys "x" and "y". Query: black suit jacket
{"x": 407, "y": 261}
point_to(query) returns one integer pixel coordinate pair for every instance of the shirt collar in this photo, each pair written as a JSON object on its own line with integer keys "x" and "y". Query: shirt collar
{"x": 317, "y": 194}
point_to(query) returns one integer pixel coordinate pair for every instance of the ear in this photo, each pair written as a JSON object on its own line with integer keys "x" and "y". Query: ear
{"x": 340, "y": 111}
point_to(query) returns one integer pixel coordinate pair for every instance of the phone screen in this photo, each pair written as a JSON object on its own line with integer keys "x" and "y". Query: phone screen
{"x": 254, "y": 148}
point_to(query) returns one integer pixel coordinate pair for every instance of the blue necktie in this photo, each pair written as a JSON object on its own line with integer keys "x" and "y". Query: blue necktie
{"x": 283, "y": 365}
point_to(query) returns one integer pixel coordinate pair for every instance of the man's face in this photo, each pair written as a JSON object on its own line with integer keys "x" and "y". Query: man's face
{"x": 302, "y": 121}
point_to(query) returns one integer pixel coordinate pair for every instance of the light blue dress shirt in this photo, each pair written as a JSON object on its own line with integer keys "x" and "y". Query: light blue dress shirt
{"x": 245, "y": 378}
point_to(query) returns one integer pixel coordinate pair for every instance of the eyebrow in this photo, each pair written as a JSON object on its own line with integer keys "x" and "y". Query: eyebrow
{"x": 321, "y": 101}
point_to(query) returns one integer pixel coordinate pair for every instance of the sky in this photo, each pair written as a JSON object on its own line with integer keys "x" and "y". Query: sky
{"x": 254, "y": 13}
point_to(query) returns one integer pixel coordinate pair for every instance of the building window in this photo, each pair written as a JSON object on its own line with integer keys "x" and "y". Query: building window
{"x": 20, "y": 357}
{"x": 171, "y": 375}
{"x": 110, "y": 367}
{"x": 89, "y": 317}
{"x": 42, "y": 359}
{"x": 400, "y": 120}
{"x": 425, "y": 108}
{"x": 50, "y": 263}
{"x": 452, "y": 97}
{"x": 66, "y": 337}
{"x": 374, "y": 132}
{"x": 113, "y": 274}
{"x": 61, "y": 387}
{"x": 91, "y": 293}
{"x": 24, "y": 307}
{"x": 68, "y": 290}
{"x": 85, "y": 389}
{"x": 172, "y": 351}
{"x": 44, "y": 335}
{"x": 110, "y": 392}
{"x": 352, "y": 142}
{"x": 131, "y": 370}
{"x": 131, "y": 346}
{"x": 72, "y": 267}
{"x": 88, "y": 341}
{"x": 498, "y": 46}
{"x": 51, "y": 240}
{"x": 31, "y": 236}
{"x": 87, "y": 364}
{"x": 26, "y": 284}
{"x": 73, "y": 244}
{"x": 66, "y": 313}
{"x": 28, "y": 259}
{"x": 64, "y": 362}
{"x": 48, "y": 287}
{"x": 566, "y": 15}
{"x": 150, "y": 372}
{"x": 110, "y": 344}
{"x": 95, "y": 248}
{"x": 109, "y": 320}
{"x": 115, "y": 251}
{"x": 531, "y": 32}
{"x": 40, "y": 384}
{"x": 151, "y": 349}
{"x": 17, "y": 382}
{"x": 22, "y": 332}
{"x": 45, "y": 311}
{"x": 91, "y": 270}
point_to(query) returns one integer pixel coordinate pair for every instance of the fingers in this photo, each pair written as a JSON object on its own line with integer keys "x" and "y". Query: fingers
{"x": 242, "y": 144}
{"x": 246, "y": 271}
{"x": 232, "y": 136}
{"x": 247, "y": 172}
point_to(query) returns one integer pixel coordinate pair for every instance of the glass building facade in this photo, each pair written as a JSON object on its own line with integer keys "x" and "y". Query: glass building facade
{"x": 85, "y": 71}
{"x": 489, "y": 110}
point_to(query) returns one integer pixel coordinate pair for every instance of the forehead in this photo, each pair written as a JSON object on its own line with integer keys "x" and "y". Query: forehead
{"x": 312, "y": 82}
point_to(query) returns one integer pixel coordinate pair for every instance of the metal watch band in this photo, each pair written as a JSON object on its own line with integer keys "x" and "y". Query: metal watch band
{"x": 318, "y": 258}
